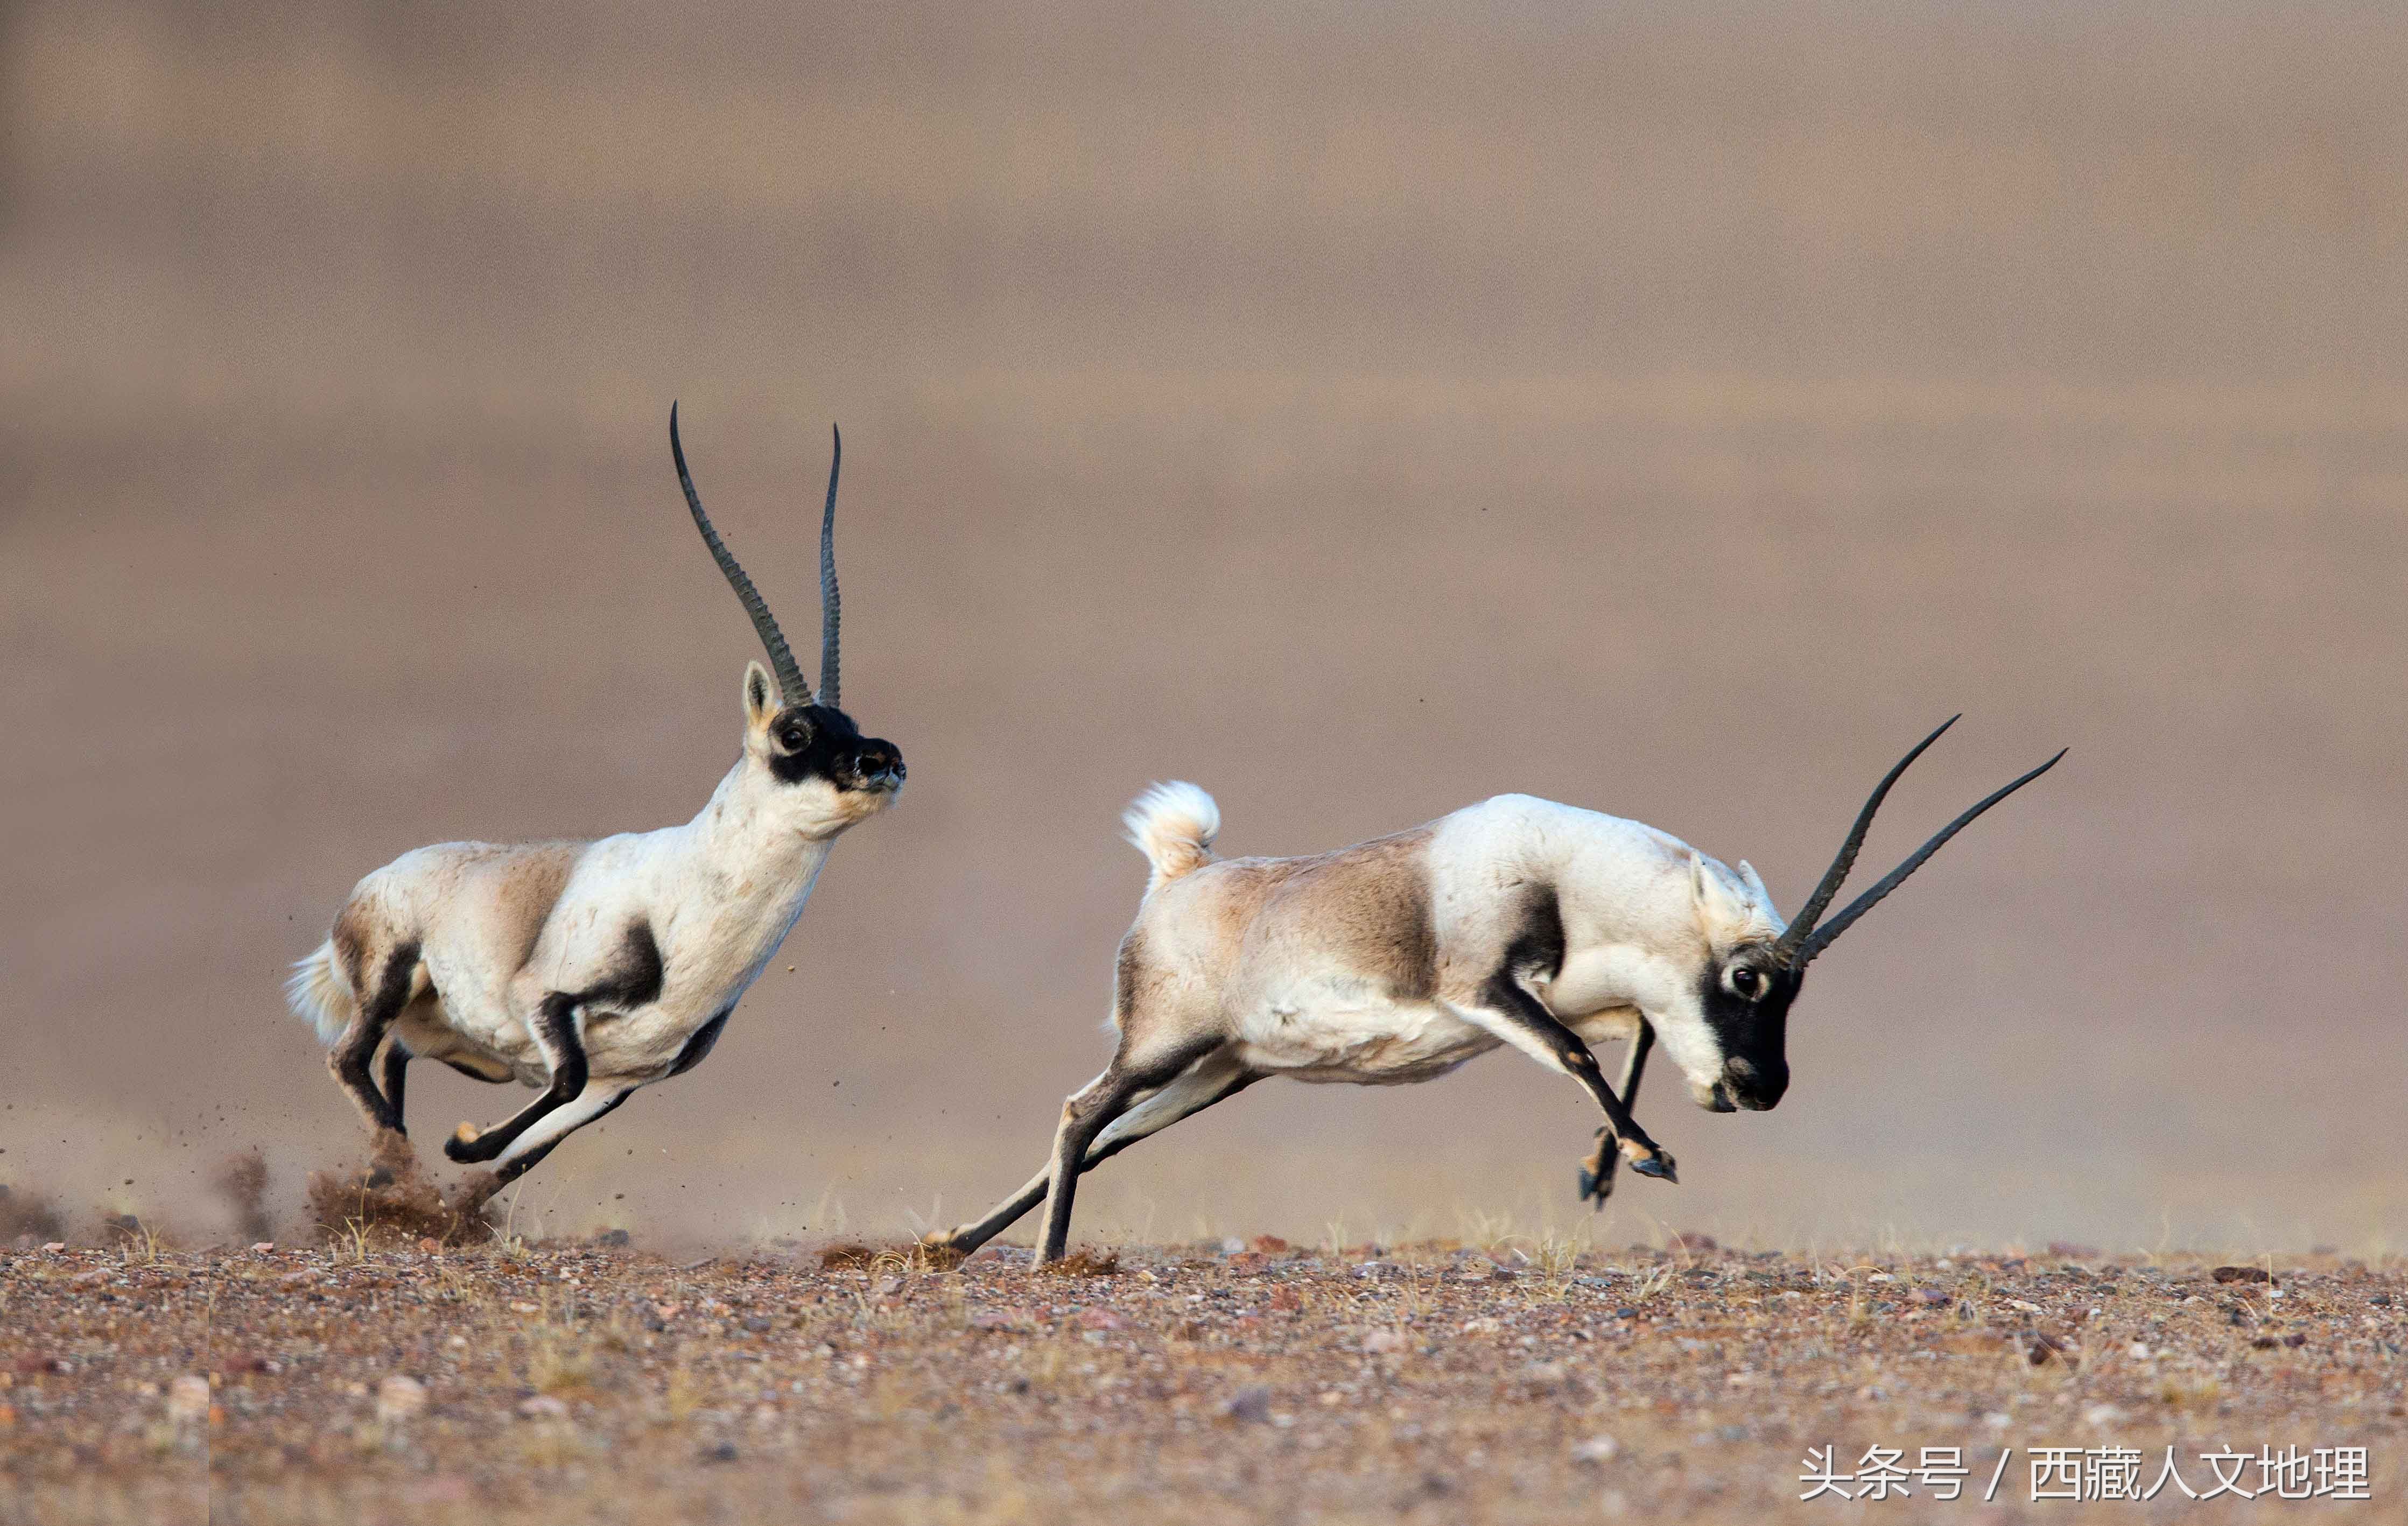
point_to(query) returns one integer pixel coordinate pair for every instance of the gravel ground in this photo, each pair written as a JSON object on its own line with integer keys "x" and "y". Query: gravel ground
{"x": 1520, "y": 1380}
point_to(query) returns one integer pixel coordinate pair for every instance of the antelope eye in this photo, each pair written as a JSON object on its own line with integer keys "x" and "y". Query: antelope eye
{"x": 793, "y": 739}
{"x": 1745, "y": 981}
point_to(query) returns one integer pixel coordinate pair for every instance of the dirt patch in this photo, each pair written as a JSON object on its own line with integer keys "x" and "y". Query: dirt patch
{"x": 392, "y": 1200}
{"x": 849, "y": 1256}
{"x": 1428, "y": 1384}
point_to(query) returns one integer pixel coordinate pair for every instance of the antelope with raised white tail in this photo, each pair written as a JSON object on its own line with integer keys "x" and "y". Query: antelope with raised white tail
{"x": 1516, "y": 920}
{"x": 588, "y": 969}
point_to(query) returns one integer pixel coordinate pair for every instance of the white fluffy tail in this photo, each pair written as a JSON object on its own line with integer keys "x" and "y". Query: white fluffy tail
{"x": 1173, "y": 826}
{"x": 319, "y": 992}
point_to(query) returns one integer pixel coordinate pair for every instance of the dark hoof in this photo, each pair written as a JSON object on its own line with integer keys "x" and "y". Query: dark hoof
{"x": 1659, "y": 1166}
{"x": 461, "y": 1149}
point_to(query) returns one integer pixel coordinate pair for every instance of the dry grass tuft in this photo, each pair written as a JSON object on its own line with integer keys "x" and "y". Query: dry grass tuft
{"x": 1085, "y": 1263}
{"x": 850, "y": 1256}
{"x": 939, "y": 1258}
{"x": 392, "y": 1200}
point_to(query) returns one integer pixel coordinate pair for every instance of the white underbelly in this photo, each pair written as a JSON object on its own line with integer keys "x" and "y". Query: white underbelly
{"x": 1369, "y": 1044}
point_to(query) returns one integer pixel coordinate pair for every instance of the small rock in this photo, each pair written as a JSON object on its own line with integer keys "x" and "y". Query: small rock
{"x": 188, "y": 1399}
{"x": 2066, "y": 1250}
{"x": 2241, "y": 1274}
{"x": 1482, "y": 1326}
{"x": 261, "y": 1247}
{"x": 2138, "y": 1350}
{"x": 2102, "y": 1415}
{"x": 724, "y": 1452}
{"x": 1100, "y": 1319}
{"x": 1690, "y": 1240}
{"x": 399, "y": 1398}
{"x": 1231, "y": 1247}
{"x": 614, "y": 1238}
{"x": 1596, "y": 1448}
{"x": 1250, "y": 1404}
{"x": 1269, "y": 1245}
{"x": 54, "y": 1247}
{"x": 756, "y": 1323}
{"x": 543, "y": 1407}
{"x": 85, "y": 1279}
{"x": 1384, "y": 1342}
{"x": 1932, "y": 1297}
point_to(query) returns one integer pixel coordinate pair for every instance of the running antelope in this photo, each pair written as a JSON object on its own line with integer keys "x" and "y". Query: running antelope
{"x": 1516, "y": 920}
{"x": 588, "y": 969}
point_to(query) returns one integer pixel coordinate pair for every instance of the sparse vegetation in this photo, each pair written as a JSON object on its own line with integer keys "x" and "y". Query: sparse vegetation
{"x": 1522, "y": 1379}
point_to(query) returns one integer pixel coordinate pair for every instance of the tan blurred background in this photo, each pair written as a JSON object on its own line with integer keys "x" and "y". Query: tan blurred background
{"x": 1360, "y": 411}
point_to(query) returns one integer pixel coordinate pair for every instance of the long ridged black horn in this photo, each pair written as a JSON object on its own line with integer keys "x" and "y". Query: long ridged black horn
{"x": 781, "y": 660}
{"x": 1890, "y": 881}
{"x": 1802, "y": 925}
{"x": 831, "y": 606}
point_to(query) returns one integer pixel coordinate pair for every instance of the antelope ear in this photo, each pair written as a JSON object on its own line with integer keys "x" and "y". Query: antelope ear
{"x": 761, "y": 697}
{"x": 1719, "y": 912}
{"x": 1755, "y": 883}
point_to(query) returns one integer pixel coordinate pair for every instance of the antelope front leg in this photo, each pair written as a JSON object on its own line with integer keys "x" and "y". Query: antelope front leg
{"x": 555, "y": 1030}
{"x": 1596, "y": 1171}
{"x": 1516, "y": 1017}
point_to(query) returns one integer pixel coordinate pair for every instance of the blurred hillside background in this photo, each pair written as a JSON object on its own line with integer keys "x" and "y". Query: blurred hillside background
{"x": 1360, "y": 410}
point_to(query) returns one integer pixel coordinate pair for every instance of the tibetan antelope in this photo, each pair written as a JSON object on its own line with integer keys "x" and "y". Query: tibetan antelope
{"x": 1516, "y": 920}
{"x": 588, "y": 969}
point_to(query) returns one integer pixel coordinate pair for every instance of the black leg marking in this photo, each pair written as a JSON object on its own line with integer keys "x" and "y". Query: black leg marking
{"x": 966, "y": 1239}
{"x": 1096, "y": 1158}
{"x": 635, "y": 982}
{"x": 555, "y": 1034}
{"x": 474, "y": 1074}
{"x": 1596, "y": 1172}
{"x": 392, "y": 1074}
{"x": 349, "y": 1058}
{"x": 698, "y": 1048}
{"x": 524, "y": 1164}
{"x": 1088, "y": 1112}
{"x": 1505, "y": 996}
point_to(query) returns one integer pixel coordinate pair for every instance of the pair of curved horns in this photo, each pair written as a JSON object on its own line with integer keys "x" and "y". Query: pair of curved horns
{"x": 1807, "y": 934}
{"x": 781, "y": 658}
